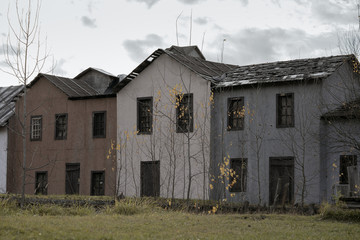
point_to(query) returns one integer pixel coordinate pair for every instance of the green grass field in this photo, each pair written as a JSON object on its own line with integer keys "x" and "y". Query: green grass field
{"x": 139, "y": 220}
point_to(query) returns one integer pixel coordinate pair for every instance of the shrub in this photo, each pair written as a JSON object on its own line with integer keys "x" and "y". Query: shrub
{"x": 334, "y": 212}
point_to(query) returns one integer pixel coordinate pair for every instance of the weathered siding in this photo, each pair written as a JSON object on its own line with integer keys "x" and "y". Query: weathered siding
{"x": 159, "y": 81}
{"x": 51, "y": 155}
{"x": 3, "y": 158}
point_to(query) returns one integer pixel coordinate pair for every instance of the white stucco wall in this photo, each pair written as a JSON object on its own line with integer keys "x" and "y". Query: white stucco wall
{"x": 3, "y": 158}
{"x": 159, "y": 81}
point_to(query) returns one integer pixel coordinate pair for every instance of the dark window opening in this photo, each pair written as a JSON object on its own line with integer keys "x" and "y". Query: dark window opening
{"x": 99, "y": 124}
{"x": 236, "y": 114}
{"x": 60, "y": 126}
{"x": 72, "y": 179}
{"x": 345, "y": 162}
{"x": 145, "y": 112}
{"x": 97, "y": 183}
{"x": 150, "y": 179}
{"x": 238, "y": 175}
{"x": 41, "y": 183}
{"x": 35, "y": 128}
{"x": 285, "y": 110}
{"x": 281, "y": 180}
{"x": 184, "y": 113}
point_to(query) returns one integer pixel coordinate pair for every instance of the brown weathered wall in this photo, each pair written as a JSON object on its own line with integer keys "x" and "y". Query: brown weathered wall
{"x": 51, "y": 155}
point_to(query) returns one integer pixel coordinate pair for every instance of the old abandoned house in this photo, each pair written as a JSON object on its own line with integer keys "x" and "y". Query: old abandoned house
{"x": 164, "y": 137}
{"x": 70, "y": 126}
{"x": 7, "y": 109}
{"x": 277, "y": 125}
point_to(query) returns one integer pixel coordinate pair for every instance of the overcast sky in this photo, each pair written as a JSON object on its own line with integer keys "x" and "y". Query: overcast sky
{"x": 117, "y": 35}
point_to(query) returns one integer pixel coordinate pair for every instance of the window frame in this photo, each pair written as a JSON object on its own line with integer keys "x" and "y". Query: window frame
{"x": 346, "y": 161}
{"x": 103, "y": 135}
{"x": 32, "y": 138}
{"x": 45, "y": 191}
{"x": 230, "y": 117}
{"x": 65, "y": 128}
{"x": 190, "y": 126}
{"x": 244, "y": 171}
{"x": 279, "y": 114}
{"x": 140, "y": 106}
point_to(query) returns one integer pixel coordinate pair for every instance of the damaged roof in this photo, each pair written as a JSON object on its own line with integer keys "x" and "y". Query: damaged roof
{"x": 77, "y": 88}
{"x": 284, "y": 71}
{"x": 7, "y": 104}
{"x": 199, "y": 65}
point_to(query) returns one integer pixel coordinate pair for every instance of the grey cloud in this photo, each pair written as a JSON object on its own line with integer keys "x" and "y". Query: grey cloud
{"x": 201, "y": 20}
{"x": 334, "y": 11}
{"x": 251, "y": 46}
{"x": 139, "y": 49}
{"x": 59, "y": 67}
{"x": 149, "y": 3}
{"x": 3, "y": 49}
{"x": 191, "y": 1}
{"x": 88, "y": 22}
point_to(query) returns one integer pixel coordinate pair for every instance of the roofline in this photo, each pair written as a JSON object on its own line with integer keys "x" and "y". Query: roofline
{"x": 93, "y": 97}
{"x": 94, "y": 69}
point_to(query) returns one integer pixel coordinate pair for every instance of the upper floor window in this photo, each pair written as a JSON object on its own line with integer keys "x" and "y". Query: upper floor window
{"x": 236, "y": 113}
{"x": 144, "y": 113}
{"x": 35, "y": 128}
{"x": 184, "y": 113}
{"x": 99, "y": 124}
{"x": 60, "y": 126}
{"x": 238, "y": 174}
{"x": 285, "y": 110}
{"x": 345, "y": 162}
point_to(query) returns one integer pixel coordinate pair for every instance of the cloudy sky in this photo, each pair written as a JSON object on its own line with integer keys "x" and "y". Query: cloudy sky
{"x": 117, "y": 35}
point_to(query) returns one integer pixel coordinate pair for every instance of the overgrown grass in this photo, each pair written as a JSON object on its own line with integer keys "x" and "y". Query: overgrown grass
{"x": 134, "y": 218}
{"x": 339, "y": 212}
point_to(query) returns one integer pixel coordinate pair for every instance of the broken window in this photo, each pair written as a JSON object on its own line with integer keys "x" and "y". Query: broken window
{"x": 184, "y": 113}
{"x": 235, "y": 114}
{"x": 97, "y": 183}
{"x": 285, "y": 110}
{"x": 35, "y": 128}
{"x": 345, "y": 162}
{"x": 99, "y": 124}
{"x": 41, "y": 183}
{"x": 145, "y": 112}
{"x": 238, "y": 174}
{"x": 60, "y": 126}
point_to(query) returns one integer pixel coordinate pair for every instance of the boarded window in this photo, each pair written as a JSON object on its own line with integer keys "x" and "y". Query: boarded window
{"x": 145, "y": 112}
{"x": 97, "y": 183}
{"x": 238, "y": 174}
{"x": 41, "y": 183}
{"x": 345, "y": 162}
{"x": 35, "y": 128}
{"x": 285, "y": 110}
{"x": 99, "y": 124}
{"x": 60, "y": 126}
{"x": 150, "y": 179}
{"x": 235, "y": 114}
{"x": 72, "y": 180}
{"x": 184, "y": 113}
{"x": 281, "y": 180}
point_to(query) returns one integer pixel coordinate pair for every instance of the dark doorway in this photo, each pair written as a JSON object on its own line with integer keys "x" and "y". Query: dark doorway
{"x": 41, "y": 183}
{"x": 97, "y": 183}
{"x": 281, "y": 190}
{"x": 150, "y": 179}
{"x": 72, "y": 180}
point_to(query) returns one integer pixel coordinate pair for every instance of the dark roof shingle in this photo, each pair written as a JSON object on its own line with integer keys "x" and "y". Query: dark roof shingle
{"x": 7, "y": 104}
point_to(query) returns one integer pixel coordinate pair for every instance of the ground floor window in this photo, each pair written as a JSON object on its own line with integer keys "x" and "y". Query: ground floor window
{"x": 238, "y": 175}
{"x": 150, "y": 178}
{"x": 72, "y": 179}
{"x": 345, "y": 162}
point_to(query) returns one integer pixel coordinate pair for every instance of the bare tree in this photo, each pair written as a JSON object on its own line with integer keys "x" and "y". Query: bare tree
{"x": 25, "y": 56}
